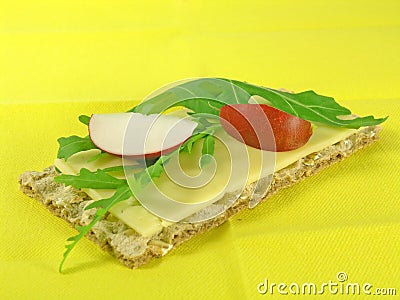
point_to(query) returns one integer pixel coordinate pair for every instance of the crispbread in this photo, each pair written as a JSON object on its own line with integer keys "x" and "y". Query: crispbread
{"x": 134, "y": 250}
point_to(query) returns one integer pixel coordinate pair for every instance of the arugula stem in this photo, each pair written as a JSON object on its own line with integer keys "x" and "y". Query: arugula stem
{"x": 122, "y": 193}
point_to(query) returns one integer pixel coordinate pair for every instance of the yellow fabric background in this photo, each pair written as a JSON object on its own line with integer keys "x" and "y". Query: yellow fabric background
{"x": 66, "y": 58}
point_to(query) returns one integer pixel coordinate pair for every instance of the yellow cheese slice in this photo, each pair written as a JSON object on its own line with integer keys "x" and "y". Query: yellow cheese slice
{"x": 178, "y": 201}
{"x": 172, "y": 198}
{"x": 138, "y": 218}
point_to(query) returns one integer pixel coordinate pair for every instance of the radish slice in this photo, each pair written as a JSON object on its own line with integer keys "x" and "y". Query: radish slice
{"x": 138, "y": 135}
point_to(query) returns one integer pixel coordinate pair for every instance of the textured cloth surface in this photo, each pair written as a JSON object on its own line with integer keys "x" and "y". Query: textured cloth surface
{"x": 58, "y": 62}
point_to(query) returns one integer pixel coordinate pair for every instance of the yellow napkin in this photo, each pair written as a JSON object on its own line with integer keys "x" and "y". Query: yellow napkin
{"x": 66, "y": 58}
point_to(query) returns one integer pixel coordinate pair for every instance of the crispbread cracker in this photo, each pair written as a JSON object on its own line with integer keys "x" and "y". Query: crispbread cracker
{"x": 134, "y": 250}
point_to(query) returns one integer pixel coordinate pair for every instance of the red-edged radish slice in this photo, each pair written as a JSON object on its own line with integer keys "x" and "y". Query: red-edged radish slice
{"x": 138, "y": 135}
{"x": 249, "y": 123}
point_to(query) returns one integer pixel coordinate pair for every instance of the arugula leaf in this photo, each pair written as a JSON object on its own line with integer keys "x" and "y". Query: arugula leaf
{"x": 205, "y": 122}
{"x": 309, "y": 106}
{"x": 114, "y": 199}
{"x": 151, "y": 172}
{"x": 73, "y": 144}
{"x": 121, "y": 168}
{"x": 188, "y": 145}
{"x": 208, "y": 95}
{"x": 101, "y": 154}
{"x": 122, "y": 193}
{"x": 87, "y": 179}
{"x": 156, "y": 169}
{"x": 207, "y": 150}
{"x": 84, "y": 119}
{"x": 205, "y": 95}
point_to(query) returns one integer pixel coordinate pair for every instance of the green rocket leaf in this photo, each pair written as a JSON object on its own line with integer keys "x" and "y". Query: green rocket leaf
{"x": 309, "y": 106}
{"x": 87, "y": 179}
{"x": 208, "y": 95}
{"x": 73, "y": 144}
